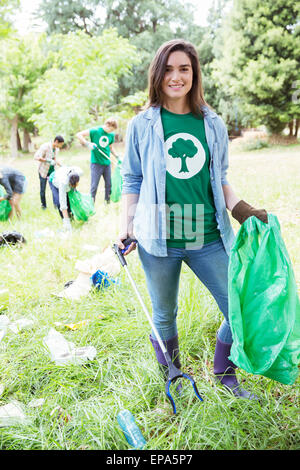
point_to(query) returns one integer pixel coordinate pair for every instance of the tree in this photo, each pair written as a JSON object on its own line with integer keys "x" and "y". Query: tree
{"x": 80, "y": 86}
{"x": 260, "y": 61}
{"x": 146, "y": 23}
{"x": 22, "y": 64}
{"x": 155, "y": 24}
{"x": 133, "y": 17}
{"x": 7, "y": 9}
{"x": 64, "y": 16}
{"x": 209, "y": 46}
{"x": 183, "y": 149}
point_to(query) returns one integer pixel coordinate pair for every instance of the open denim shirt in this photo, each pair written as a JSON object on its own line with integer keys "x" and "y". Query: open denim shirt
{"x": 144, "y": 173}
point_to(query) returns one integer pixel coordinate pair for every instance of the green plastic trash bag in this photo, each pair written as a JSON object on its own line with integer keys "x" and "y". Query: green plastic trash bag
{"x": 264, "y": 307}
{"x": 116, "y": 183}
{"x": 81, "y": 205}
{"x": 51, "y": 170}
{"x": 51, "y": 176}
{"x": 5, "y": 207}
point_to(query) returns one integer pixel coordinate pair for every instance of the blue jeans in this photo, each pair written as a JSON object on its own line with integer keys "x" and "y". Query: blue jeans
{"x": 210, "y": 264}
{"x": 55, "y": 198}
{"x": 43, "y": 184}
{"x": 97, "y": 171}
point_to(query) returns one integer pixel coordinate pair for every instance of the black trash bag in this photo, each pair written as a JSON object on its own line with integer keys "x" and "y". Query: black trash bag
{"x": 11, "y": 238}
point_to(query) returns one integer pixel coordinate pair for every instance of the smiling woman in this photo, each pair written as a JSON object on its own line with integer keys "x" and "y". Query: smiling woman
{"x": 175, "y": 76}
{"x": 178, "y": 78}
{"x": 176, "y": 164}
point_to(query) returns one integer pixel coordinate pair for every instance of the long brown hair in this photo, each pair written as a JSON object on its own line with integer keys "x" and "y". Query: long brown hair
{"x": 157, "y": 71}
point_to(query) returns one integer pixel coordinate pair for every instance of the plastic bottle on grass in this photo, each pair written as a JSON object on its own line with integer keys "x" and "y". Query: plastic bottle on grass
{"x": 131, "y": 431}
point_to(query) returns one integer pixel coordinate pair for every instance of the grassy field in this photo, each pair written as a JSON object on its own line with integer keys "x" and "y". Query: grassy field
{"x": 124, "y": 372}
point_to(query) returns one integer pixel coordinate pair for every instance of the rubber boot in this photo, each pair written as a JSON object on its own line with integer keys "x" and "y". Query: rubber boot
{"x": 224, "y": 370}
{"x": 172, "y": 347}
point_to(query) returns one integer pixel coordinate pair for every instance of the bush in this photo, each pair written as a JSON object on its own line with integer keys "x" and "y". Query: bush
{"x": 256, "y": 144}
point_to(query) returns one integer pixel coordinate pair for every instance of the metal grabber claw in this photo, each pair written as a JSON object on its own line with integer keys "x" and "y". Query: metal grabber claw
{"x": 173, "y": 372}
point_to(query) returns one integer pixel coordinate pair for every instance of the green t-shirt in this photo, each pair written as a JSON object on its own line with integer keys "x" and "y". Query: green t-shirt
{"x": 103, "y": 140}
{"x": 191, "y": 219}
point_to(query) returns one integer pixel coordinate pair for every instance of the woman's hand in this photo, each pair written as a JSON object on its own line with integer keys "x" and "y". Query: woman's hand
{"x": 129, "y": 203}
{"x": 130, "y": 247}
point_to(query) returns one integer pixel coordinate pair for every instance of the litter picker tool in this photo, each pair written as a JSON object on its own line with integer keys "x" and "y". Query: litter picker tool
{"x": 101, "y": 151}
{"x": 173, "y": 372}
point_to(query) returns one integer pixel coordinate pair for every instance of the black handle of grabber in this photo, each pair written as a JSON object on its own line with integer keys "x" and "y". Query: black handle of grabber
{"x": 120, "y": 252}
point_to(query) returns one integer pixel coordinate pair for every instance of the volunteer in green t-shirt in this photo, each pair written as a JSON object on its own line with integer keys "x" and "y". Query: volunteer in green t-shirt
{"x": 188, "y": 186}
{"x": 175, "y": 200}
{"x": 100, "y": 144}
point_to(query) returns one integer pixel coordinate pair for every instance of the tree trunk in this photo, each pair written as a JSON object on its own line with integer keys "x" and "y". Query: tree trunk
{"x": 297, "y": 123}
{"x": 26, "y": 140}
{"x": 19, "y": 141}
{"x": 13, "y": 137}
{"x": 291, "y": 127}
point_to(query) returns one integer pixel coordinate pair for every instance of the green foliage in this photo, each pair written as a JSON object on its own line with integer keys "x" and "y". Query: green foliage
{"x": 260, "y": 60}
{"x": 255, "y": 144}
{"x": 146, "y": 23}
{"x": 129, "y": 17}
{"x": 22, "y": 63}
{"x": 82, "y": 82}
{"x": 209, "y": 46}
{"x": 135, "y": 101}
{"x": 133, "y": 17}
{"x": 7, "y": 10}
{"x": 63, "y": 17}
{"x": 4, "y": 133}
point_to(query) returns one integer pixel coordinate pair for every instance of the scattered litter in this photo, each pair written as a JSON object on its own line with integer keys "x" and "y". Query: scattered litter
{"x": 21, "y": 324}
{"x": 64, "y": 352}
{"x": 2, "y": 334}
{"x": 78, "y": 288}
{"x": 73, "y": 326}
{"x": 64, "y": 235}
{"x": 130, "y": 429}
{"x": 4, "y": 299}
{"x": 101, "y": 279}
{"x": 4, "y": 322}
{"x": 76, "y": 326}
{"x": 45, "y": 233}
{"x": 91, "y": 247}
{"x": 15, "y": 327}
{"x": 106, "y": 262}
{"x": 67, "y": 284}
{"x": 36, "y": 402}
{"x": 11, "y": 238}
{"x": 61, "y": 414}
{"x": 12, "y": 414}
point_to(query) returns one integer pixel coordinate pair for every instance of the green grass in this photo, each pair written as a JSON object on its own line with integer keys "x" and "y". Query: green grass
{"x": 124, "y": 372}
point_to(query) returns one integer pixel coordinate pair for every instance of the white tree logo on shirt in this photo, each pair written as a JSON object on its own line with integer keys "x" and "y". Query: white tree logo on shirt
{"x": 103, "y": 141}
{"x": 185, "y": 155}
